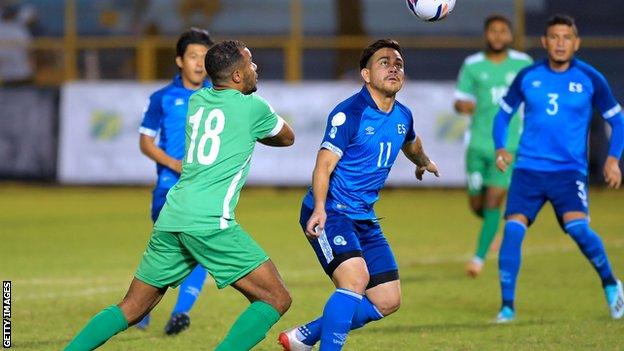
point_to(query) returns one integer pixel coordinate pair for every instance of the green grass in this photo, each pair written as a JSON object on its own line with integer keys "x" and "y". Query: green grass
{"x": 72, "y": 251}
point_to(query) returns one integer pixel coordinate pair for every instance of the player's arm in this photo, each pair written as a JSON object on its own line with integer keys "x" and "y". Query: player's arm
{"x": 611, "y": 171}
{"x": 415, "y": 152}
{"x": 465, "y": 101}
{"x": 285, "y": 136}
{"x": 326, "y": 162}
{"x": 508, "y": 106}
{"x": 152, "y": 117}
{"x": 464, "y": 107}
{"x": 611, "y": 111}
{"x": 150, "y": 149}
{"x": 499, "y": 134}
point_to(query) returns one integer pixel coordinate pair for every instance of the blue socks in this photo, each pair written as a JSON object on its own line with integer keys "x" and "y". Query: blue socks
{"x": 366, "y": 312}
{"x": 590, "y": 244}
{"x": 337, "y": 316}
{"x": 189, "y": 290}
{"x": 509, "y": 260}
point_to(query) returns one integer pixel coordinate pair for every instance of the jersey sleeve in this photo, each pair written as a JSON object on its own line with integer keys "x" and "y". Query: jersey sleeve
{"x": 266, "y": 122}
{"x": 152, "y": 116}
{"x": 603, "y": 97}
{"x": 341, "y": 128}
{"x": 465, "y": 90}
{"x": 514, "y": 97}
{"x": 410, "y": 136}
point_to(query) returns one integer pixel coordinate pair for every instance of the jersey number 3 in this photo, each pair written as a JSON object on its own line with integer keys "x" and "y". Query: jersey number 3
{"x": 211, "y": 132}
{"x": 553, "y": 105}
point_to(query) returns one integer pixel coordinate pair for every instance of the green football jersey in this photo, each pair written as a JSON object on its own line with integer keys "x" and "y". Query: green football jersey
{"x": 221, "y": 131}
{"x": 485, "y": 83}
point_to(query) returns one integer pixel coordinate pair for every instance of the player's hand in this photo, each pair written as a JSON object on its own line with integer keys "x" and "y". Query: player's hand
{"x": 612, "y": 173}
{"x": 503, "y": 159}
{"x": 430, "y": 167}
{"x": 316, "y": 223}
{"x": 176, "y": 165}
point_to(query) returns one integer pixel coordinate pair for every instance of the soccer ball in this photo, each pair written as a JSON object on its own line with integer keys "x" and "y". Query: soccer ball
{"x": 430, "y": 10}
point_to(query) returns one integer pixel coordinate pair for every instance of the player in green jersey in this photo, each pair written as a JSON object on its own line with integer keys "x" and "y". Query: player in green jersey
{"x": 483, "y": 80}
{"x": 197, "y": 224}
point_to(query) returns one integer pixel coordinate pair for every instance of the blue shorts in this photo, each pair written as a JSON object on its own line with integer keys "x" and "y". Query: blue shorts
{"x": 159, "y": 197}
{"x": 346, "y": 238}
{"x": 529, "y": 190}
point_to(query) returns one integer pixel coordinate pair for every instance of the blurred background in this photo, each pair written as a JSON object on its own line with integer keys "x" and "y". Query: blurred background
{"x": 76, "y": 74}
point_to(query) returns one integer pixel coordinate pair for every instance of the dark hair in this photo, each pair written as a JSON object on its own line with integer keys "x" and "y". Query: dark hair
{"x": 193, "y": 36}
{"x": 564, "y": 19}
{"x": 496, "y": 18}
{"x": 222, "y": 57}
{"x": 370, "y": 50}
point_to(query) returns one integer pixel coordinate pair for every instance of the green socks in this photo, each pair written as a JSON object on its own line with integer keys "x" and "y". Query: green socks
{"x": 491, "y": 218}
{"x": 250, "y": 327}
{"x": 100, "y": 328}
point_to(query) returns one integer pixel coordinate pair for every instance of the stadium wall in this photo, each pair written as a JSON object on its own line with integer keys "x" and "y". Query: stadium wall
{"x": 28, "y": 133}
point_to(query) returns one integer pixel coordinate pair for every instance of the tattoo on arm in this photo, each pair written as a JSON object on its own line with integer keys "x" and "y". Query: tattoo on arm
{"x": 416, "y": 153}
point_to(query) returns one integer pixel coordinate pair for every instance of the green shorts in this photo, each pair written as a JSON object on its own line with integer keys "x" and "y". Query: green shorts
{"x": 481, "y": 172}
{"x": 227, "y": 254}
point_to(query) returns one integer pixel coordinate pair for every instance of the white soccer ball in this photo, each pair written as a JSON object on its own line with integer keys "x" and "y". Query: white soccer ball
{"x": 430, "y": 10}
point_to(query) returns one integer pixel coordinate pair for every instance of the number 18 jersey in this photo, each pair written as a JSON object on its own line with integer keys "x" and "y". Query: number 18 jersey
{"x": 221, "y": 131}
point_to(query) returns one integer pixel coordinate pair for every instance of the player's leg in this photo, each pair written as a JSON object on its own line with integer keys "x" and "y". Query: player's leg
{"x": 232, "y": 257}
{"x": 475, "y": 173}
{"x": 475, "y": 168}
{"x": 165, "y": 263}
{"x": 139, "y": 300}
{"x": 269, "y": 298}
{"x": 382, "y": 295}
{"x": 159, "y": 196}
{"x": 383, "y": 292}
{"x": 570, "y": 201}
{"x": 187, "y": 296}
{"x": 526, "y": 198}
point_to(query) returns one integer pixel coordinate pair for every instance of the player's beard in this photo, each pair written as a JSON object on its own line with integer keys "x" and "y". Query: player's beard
{"x": 388, "y": 89}
{"x": 250, "y": 84}
{"x": 494, "y": 50}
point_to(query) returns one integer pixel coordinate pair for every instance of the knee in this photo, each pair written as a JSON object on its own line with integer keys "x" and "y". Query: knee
{"x": 578, "y": 229}
{"x": 281, "y": 301}
{"x": 352, "y": 275}
{"x": 356, "y": 283}
{"x": 388, "y": 304}
{"x": 477, "y": 210}
{"x": 133, "y": 311}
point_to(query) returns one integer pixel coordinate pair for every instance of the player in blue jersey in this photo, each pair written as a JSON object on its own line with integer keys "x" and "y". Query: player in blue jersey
{"x": 166, "y": 114}
{"x": 559, "y": 94}
{"x": 362, "y": 140}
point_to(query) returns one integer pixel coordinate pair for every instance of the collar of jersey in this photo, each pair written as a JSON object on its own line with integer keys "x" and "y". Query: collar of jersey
{"x": 371, "y": 103}
{"x": 547, "y": 66}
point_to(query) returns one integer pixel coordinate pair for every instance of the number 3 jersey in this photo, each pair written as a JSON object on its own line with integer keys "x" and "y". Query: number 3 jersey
{"x": 557, "y": 113}
{"x": 367, "y": 140}
{"x": 221, "y": 131}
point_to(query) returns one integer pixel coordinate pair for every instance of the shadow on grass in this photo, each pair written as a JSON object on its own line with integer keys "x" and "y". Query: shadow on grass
{"x": 450, "y": 327}
{"x": 48, "y": 344}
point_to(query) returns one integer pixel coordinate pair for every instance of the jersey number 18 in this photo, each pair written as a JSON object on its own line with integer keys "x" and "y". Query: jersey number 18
{"x": 210, "y": 133}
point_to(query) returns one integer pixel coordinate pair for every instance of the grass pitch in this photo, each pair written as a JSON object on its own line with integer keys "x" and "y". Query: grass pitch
{"x": 72, "y": 251}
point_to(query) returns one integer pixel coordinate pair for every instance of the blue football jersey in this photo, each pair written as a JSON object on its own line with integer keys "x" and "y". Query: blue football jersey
{"x": 166, "y": 114}
{"x": 367, "y": 140}
{"x": 557, "y": 114}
